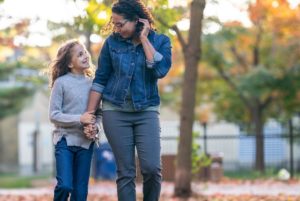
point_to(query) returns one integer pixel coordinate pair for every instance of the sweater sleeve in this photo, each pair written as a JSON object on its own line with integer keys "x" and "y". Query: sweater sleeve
{"x": 56, "y": 114}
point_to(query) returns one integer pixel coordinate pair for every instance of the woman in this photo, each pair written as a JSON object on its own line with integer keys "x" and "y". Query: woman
{"x": 131, "y": 61}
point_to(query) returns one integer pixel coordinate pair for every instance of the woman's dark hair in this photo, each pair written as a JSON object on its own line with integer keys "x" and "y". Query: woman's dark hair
{"x": 131, "y": 10}
{"x": 60, "y": 65}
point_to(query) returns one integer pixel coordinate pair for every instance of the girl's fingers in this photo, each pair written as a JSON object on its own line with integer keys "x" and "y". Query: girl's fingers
{"x": 91, "y": 121}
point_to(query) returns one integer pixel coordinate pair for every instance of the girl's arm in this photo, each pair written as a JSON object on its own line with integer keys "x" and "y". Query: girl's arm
{"x": 59, "y": 118}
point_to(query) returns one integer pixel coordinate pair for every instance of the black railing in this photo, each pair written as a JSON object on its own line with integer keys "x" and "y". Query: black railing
{"x": 292, "y": 140}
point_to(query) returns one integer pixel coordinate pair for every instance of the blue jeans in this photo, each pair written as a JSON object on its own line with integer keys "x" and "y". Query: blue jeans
{"x": 126, "y": 131}
{"x": 72, "y": 171}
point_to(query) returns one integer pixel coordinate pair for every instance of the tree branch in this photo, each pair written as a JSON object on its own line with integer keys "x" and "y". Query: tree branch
{"x": 256, "y": 48}
{"x": 267, "y": 102}
{"x": 240, "y": 59}
{"x": 180, "y": 37}
{"x": 177, "y": 31}
{"x": 233, "y": 86}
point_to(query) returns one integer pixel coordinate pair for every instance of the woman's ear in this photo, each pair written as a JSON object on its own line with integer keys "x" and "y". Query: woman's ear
{"x": 70, "y": 65}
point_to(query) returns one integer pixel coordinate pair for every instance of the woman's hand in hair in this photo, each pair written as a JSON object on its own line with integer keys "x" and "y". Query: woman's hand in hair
{"x": 146, "y": 28}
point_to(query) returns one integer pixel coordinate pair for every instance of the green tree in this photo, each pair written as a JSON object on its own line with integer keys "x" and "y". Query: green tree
{"x": 15, "y": 88}
{"x": 12, "y": 98}
{"x": 260, "y": 66}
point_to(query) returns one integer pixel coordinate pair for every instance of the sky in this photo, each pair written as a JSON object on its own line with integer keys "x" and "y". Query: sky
{"x": 65, "y": 10}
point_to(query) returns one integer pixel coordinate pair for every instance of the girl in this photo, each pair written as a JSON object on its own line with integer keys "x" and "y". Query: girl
{"x": 131, "y": 61}
{"x": 71, "y": 82}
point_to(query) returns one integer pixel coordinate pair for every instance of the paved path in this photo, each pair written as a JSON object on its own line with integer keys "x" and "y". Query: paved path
{"x": 229, "y": 188}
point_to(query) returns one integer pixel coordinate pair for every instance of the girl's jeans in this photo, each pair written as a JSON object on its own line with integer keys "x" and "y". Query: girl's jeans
{"x": 73, "y": 170}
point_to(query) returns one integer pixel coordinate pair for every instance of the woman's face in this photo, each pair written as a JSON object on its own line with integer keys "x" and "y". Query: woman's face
{"x": 123, "y": 26}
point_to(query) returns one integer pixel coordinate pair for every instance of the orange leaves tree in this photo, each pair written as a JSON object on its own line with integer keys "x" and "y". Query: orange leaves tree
{"x": 260, "y": 66}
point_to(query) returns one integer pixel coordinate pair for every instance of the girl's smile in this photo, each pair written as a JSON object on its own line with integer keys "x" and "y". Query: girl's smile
{"x": 80, "y": 59}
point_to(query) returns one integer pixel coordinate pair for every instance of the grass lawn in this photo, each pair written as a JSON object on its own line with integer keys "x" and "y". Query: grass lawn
{"x": 252, "y": 174}
{"x": 17, "y": 181}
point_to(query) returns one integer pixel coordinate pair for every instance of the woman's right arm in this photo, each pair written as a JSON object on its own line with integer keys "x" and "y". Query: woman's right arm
{"x": 94, "y": 101}
{"x": 102, "y": 75}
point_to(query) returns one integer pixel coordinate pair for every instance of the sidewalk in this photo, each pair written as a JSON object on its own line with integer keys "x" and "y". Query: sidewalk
{"x": 107, "y": 188}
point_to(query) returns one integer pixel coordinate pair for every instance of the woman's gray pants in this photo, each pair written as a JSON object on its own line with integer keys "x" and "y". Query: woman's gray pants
{"x": 126, "y": 131}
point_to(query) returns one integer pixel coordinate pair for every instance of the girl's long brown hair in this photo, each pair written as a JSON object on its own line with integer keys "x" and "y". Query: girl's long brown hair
{"x": 60, "y": 65}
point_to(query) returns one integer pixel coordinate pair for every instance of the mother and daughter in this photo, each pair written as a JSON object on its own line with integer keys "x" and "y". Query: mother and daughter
{"x": 130, "y": 63}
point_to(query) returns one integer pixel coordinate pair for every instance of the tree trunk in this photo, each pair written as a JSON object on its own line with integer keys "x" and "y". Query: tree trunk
{"x": 192, "y": 54}
{"x": 183, "y": 168}
{"x": 88, "y": 43}
{"x": 1, "y": 145}
{"x": 257, "y": 112}
{"x": 257, "y": 119}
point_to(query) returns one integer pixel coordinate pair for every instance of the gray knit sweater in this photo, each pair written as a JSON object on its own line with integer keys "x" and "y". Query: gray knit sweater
{"x": 68, "y": 101}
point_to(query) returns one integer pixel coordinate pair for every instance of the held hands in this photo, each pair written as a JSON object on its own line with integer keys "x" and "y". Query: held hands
{"x": 87, "y": 118}
{"x": 90, "y": 129}
{"x": 91, "y": 132}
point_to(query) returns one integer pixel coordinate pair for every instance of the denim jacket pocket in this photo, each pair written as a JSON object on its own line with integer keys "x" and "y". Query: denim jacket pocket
{"x": 118, "y": 54}
{"x": 111, "y": 86}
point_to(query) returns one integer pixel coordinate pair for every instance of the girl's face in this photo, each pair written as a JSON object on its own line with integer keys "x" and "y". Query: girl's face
{"x": 80, "y": 59}
{"x": 123, "y": 26}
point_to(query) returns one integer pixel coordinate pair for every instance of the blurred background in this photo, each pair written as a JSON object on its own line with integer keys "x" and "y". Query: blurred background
{"x": 247, "y": 109}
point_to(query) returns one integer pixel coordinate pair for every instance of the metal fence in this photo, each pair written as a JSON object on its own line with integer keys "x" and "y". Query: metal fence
{"x": 281, "y": 148}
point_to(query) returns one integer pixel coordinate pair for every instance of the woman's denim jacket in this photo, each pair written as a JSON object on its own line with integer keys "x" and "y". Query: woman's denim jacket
{"x": 122, "y": 67}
